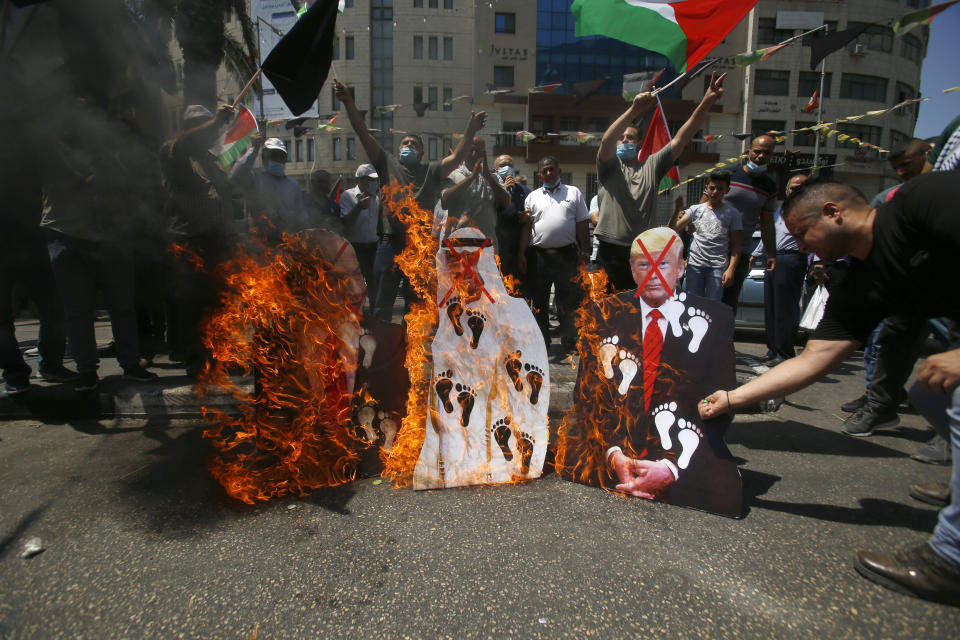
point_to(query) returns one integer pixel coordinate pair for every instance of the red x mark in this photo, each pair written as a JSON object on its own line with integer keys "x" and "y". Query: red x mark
{"x": 655, "y": 269}
{"x": 469, "y": 263}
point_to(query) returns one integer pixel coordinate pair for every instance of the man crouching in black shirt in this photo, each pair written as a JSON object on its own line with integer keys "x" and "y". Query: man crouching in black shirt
{"x": 904, "y": 262}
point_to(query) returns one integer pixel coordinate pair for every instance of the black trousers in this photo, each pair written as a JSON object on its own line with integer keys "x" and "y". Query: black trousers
{"x": 557, "y": 269}
{"x": 782, "y": 289}
{"x": 615, "y": 261}
{"x": 898, "y": 346}
{"x": 731, "y": 295}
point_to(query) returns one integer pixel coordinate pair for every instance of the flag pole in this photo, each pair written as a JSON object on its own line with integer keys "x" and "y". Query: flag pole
{"x": 816, "y": 143}
{"x": 246, "y": 88}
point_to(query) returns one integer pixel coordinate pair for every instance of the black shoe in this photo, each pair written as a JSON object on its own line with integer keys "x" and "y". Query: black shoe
{"x": 139, "y": 374}
{"x": 854, "y": 405}
{"x": 108, "y": 350}
{"x": 87, "y": 381}
{"x": 918, "y": 572}
{"x": 16, "y": 388}
{"x": 58, "y": 374}
{"x": 935, "y": 493}
{"x": 864, "y": 421}
{"x": 937, "y": 451}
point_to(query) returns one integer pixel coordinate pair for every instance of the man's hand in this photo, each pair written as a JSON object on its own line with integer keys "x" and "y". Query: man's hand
{"x": 225, "y": 113}
{"x": 509, "y": 183}
{"x": 727, "y": 278}
{"x": 363, "y": 200}
{"x": 477, "y": 120}
{"x": 524, "y": 217}
{"x": 714, "y": 405}
{"x": 715, "y": 91}
{"x": 819, "y": 274}
{"x": 940, "y": 372}
{"x": 641, "y": 478}
{"x": 642, "y": 101}
{"x": 771, "y": 263}
{"x": 341, "y": 92}
{"x": 256, "y": 139}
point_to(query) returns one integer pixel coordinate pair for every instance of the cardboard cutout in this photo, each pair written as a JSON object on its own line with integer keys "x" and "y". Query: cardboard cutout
{"x": 487, "y": 417}
{"x": 634, "y": 426}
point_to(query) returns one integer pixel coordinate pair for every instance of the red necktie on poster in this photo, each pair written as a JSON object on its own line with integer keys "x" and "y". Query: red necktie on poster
{"x": 652, "y": 346}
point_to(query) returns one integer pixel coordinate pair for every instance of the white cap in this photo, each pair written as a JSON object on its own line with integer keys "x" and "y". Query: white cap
{"x": 367, "y": 171}
{"x": 275, "y": 143}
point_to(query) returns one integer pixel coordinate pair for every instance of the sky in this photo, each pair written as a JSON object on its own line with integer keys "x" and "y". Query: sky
{"x": 940, "y": 71}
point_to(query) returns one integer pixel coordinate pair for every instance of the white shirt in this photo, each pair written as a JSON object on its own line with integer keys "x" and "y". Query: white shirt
{"x": 555, "y": 216}
{"x": 365, "y": 227}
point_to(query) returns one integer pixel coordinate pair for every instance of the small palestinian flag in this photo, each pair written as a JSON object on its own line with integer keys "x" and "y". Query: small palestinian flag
{"x": 813, "y": 103}
{"x": 525, "y": 136}
{"x": 710, "y": 138}
{"x": 923, "y": 16}
{"x": 388, "y": 108}
{"x": 544, "y": 88}
{"x": 329, "y": 126}
{"x": 584, "y": 138}
{"x": 658, "y": 136}
{"x": 762, "y": 55}
{"x": 237, "y": 138}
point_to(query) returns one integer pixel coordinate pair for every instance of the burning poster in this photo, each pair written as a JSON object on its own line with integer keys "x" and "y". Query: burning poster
{"x": 490, "y": 386}
{"x": 647, "y": 357}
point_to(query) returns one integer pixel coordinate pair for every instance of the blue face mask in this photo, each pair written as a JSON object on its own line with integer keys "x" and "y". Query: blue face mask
{"x": 753, "y": 167}
{"x": 275, "y": 168}
{"x": 627, "y": 152}
{"x": 409, "y": 155}
{"x": 506, "y": 171}
{"x": 554, "y": 185}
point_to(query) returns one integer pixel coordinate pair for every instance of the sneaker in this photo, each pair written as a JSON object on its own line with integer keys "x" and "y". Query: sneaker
{"x": 87, "y": 381}
{"x": 139, "y": 374}
{"x": 864, "y": 421}
{"x": 854, "y": 405}
{"x": 936, "y": 451}
{"x": 59, "y": 374}
{"x": 15, "y": 388}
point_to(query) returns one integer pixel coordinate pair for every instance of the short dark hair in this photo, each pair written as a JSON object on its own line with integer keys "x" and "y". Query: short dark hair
{"x": 545, "y": 159}
{"x": 820, "y": 190}
{"x": 720, "y": 176}
{"x": 913, "y": 146}
{"x": 415, "y": 137}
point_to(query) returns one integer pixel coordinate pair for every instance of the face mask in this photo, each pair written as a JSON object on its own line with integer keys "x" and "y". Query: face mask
{"x": 275, "y": 168}
{"x": 370, "y": 188}
{"x": 552, "y": 186}
{"x": 752, "y": 167}
{"x": 506, "y": 171}
{"x": 409, "y": 155}
{"x": 627, "y": 152}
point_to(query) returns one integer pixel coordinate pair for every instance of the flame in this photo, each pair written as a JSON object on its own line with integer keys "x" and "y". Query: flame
{"x": 183, "y": 253}
{"x": 288, "y": 319}
{"x": 418, "y": 263}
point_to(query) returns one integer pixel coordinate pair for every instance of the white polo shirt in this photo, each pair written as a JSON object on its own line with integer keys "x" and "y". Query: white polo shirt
{"x": 555, "y": 216}
{"x": 365, "y": 228}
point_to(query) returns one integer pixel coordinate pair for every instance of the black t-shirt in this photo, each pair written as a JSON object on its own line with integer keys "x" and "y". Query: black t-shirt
{"x": 912, "y": 266}
{"x": 425, "y": 178}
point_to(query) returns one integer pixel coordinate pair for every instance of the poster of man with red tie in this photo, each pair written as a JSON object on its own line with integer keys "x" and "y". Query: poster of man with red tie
{"x": 647, "y": 357}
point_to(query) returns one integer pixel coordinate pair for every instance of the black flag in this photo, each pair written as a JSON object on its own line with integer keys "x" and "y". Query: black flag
{"x": 820, "y": 48}
{"x": 298, "y": 65}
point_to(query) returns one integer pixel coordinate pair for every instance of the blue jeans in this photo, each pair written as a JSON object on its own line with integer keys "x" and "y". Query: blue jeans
{"x": 79, "y": 267}
{"x": 946, "y": 535}
{"x": 705, "y": 281}
{"x": 388, "y": 278}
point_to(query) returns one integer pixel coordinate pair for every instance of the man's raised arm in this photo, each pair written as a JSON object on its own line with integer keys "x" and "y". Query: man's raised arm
{"x": 608, "y": 143}
{"x": 695, "y": 121}
{"x": 370, "y": 144}
{"x": 459, "y": 155}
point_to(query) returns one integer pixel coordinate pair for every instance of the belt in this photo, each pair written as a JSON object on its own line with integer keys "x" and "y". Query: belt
{"x": 569, "y": 247}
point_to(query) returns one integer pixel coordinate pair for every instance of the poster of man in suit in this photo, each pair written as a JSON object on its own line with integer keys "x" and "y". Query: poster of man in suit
{"x": 647, "y": 357}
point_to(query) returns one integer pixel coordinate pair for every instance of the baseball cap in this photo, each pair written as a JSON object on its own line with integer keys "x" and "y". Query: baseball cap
{"x": 196, "y": 112}
{"x": 275, "y": 143}
{"x": 366, "y": 171}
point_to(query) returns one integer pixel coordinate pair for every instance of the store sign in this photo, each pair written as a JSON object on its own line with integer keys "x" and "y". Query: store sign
{"x": 801, "y": 160}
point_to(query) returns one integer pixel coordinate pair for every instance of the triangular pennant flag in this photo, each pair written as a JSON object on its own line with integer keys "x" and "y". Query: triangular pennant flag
{"x": 236, "y": 139}
{"x": 658, "y": 136}
{"x": 634, "y": 83}
{"x": 584, "y": 138}
{"x": 951, "y": 90}
{"x": 685, "y": 79}
{"x": 741, "y": 136}
{"x": 544, "y": 88}
{"x": 684, "y": 32}
{"x": 334, "y": 194}
{"x": 746, "y": 59}
{"x": 769, "y": 51}
{"x": 492, "y": 90}
{"x": 298, "y": 65}
{"x": 388, "y": 108}
{"x": 525, "y": 136}
{"x": 923, "y": 16}
{"x": 821, "y": 47}
{"x": 421, "y": 108}
{"x": 813, "y": 103}
{"x": 328, "y": 126}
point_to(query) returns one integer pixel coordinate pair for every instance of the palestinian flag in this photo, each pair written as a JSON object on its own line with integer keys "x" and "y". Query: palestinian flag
{"x": 762, "y": 55}
{"x": 658, "y": 136}
{"x": 544, "y": 88}
{"x": 237, "y": 138}
{"x": 682, "y": 31}
{"x": 923, "y": 16}
{"x": 584, "y": 138}
{"x": 813, "y": 103}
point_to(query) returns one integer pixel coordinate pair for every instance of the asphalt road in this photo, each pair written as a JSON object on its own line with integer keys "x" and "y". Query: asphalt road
{"x": 141, "y": 542}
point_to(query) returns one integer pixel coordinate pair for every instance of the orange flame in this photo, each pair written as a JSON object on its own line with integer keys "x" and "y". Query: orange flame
{"x": 183, "y": 253}
{"x": 286, "y": 318}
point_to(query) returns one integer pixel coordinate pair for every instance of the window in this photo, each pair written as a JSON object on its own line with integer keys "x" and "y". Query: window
{"x": 432, "y": 149}
{"x": 348, "y": 4}
{"x": 432, "y": 98}
{"x": 335, "y": 104}
{"x": 911, "y": 48}
{"x": 767, "y": 32}
{"x": 905, "y": 92}
{"x": 866, "y": 133}
{"x": 448, "y": 48}
{"x": 505, "y": 23}
{"x": 447, "y": 97}
{"x": 418, "y": 4}
{"x": 349, "y": 48}
{"x": 298, "y": 151}
{"x": 597, "y": 124}
{"x": 432, "y": 50}
{"x": 311, "y": 149}
{"x": 810, "y": 82}
{"x": 418, "y": 47}
{"x": 417, "y": 95}
{"x": 875, "y": 38}
{"x": 288, "y": 143}
{"x": 807, "y": 138}
{"x": 593, "y": 186}
{"x": 772, "y": 83}
{"x": 351, "y": 148}
{"x": 568, "y": 123}
{"x": 433, "y": 4}
{"x": 503, "y": 76}
{"x": 860, "y": 87}
{"x": 448, "y": 4}
{"x": 541, "y": 124}
{"x": 337, "y": 149}
{"x": 760, "y": 127}
{"x": 808, "y": 39}
{"x": 512, "y": 125}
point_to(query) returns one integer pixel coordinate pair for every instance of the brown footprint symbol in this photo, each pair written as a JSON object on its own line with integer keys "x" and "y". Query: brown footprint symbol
{"x": 513, "y": 364}
{"x": 454, "y": 311}
{"x": 465, "y": 398}
{"x": 525, "y": 445}
{"x": 476, "y": 321}
{"x": 501, "y": 432}
{"x": 535, "y": 380}
{"x": 443, "y": 384}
